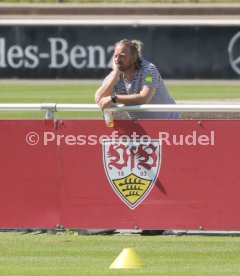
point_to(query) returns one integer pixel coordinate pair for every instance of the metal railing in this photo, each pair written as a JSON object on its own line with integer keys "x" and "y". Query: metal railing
{"x": 120, "y": 22}
{"x": 51, "y": 108}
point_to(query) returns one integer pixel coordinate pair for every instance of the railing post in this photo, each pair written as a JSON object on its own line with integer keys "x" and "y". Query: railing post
{"x": 49, "y": 110}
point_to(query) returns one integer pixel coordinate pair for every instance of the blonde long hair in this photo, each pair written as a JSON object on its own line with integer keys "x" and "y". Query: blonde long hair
{"x": 135, "y": 47}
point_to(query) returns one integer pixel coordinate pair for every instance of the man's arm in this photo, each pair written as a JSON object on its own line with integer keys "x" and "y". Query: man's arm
{"x": 143, "y": 97}
{"x": 107, "y": 87}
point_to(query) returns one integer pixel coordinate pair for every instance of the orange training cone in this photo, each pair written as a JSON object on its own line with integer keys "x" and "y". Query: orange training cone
{"x": 128, "y": 258}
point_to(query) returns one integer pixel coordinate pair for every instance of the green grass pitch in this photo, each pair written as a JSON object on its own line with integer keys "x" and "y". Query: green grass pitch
{"x": 28, "y": 255}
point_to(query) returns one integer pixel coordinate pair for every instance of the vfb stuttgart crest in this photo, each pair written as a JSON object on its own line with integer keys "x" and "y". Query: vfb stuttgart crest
{"x": 132, "y": 168}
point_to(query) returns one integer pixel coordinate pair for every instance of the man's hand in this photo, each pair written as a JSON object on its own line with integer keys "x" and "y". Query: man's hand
{"x": 115, "y": 68}
{"x": 105, "y": 102}
{"x": 108, "y": 86}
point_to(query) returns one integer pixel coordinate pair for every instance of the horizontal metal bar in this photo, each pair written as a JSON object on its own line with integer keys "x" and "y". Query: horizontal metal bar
{"x": 77, "y": 107}
{"x": 179, "y": 108}
{"x": 20, "y": 107}
{"x": 136, "y": 108}
{"x": 119, "y": 22}
{"x": 27, "y": 107}
{"x": 152, "y": 108}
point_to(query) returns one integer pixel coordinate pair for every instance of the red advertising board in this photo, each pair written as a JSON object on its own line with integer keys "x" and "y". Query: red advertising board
{"x": 138, "y": 174}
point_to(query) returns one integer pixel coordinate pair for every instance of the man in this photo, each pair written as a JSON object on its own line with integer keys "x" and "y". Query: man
{"x": 134, "y": 81}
